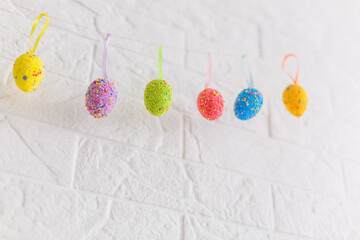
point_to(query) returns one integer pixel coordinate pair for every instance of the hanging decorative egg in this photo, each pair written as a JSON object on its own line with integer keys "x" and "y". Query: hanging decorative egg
{"x": 28, "y": 72}
{"x": 100, "y": 97}
{"x": 157, "y": 97}
{"x": 28, "y": 69}
{"x": 295, "y": 99}
{"x": 210, "y": 104}
{"x": 294, "y": 96}
{"x": 248, "y": 104}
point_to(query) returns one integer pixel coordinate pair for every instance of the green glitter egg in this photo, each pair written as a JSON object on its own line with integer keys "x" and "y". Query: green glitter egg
{"x": 157, "y": 97}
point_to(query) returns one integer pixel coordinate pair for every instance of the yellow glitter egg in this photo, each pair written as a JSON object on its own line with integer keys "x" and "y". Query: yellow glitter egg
{"x": 295, "y": 99}
{"x": 28, "y": 71}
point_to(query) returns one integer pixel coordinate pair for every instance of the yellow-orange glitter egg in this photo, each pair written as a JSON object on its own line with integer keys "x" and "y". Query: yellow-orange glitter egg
{"x": 28, "y": 72}
{"x": 295, "y": 99}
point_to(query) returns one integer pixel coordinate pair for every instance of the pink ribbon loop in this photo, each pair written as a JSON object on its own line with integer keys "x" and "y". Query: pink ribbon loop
{"x": 208, "y": 79}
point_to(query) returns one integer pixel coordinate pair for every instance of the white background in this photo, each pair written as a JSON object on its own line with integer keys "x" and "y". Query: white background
{"x": 66, "y": 175}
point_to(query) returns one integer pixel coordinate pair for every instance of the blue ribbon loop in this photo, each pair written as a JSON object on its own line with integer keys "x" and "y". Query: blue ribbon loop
{"x": 248, "y": 76}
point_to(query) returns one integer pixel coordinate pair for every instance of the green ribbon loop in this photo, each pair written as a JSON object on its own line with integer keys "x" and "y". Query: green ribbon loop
{"x": 160, "y": 63}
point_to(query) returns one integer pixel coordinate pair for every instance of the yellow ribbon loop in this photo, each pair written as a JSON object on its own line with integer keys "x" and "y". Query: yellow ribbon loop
{"x": 41, "y": 33}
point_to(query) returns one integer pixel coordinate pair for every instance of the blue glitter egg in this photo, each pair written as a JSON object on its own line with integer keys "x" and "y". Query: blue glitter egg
{"x": 248, "y": 104}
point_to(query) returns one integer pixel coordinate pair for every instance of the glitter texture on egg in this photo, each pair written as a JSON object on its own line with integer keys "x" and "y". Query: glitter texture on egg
{"x": 295, "y": 99}
{"x": 28, "y": 72}
{"x": 248, "y": 103}
{"x": 210, "y": 104}
{"x": 100, "y": 98}
{"x": 157, "y": 97}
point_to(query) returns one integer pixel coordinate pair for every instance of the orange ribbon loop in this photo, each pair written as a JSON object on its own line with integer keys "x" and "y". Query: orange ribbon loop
{"x": 298, "y": 68}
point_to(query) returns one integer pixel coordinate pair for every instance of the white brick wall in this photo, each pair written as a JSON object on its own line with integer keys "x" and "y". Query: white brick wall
{"x": 65, "y": 175}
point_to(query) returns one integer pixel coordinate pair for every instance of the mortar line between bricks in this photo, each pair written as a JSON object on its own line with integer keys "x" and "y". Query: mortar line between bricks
{"x": 76, "y": 154}
{"x": 270, "y": 134}
{"x": 142, "y": 204}
{"x": 174, "y": 158}
{"x": 273, "y": 204}
{"x": 182, "y": 136}
{"x": 344, "y": 179}
{"x": 182, "y": 227}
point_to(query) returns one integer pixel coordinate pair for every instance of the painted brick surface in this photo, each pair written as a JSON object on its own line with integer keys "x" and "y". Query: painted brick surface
{"x": 34, "y": 211}
{"x": 66, "y": 175}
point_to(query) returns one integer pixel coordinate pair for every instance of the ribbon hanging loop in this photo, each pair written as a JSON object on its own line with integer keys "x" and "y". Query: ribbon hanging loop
{"x": 248, "y": 76}
{"x": 208, "y": 78}
{"x": 160, "y": 63}
{"x": 32, "y": 50}
{"x": 107, "y": 40}
{"x": 298, "y": 68}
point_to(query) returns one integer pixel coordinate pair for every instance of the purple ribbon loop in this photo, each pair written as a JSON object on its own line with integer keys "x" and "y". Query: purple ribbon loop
{"x": 107, "y": 40}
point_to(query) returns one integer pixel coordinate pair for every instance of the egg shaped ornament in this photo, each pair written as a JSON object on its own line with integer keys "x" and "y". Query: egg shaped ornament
{"x": 158, "y": 93}
{"x": 101, "y": 95}
{"x": 28, "y": 69}
{"x": 210, "y": 104}
{"x": 248, "y": 103}
{"x": 157, "y": 97}
{"x": 295, "y": 99}
{"x": 250, "y": 100}
{"x": 28, "y": 72}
